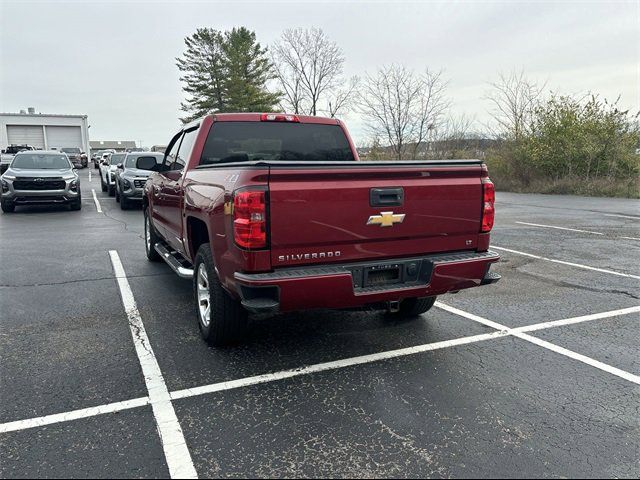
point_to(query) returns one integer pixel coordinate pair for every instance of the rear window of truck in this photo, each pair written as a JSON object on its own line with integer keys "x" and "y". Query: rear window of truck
{"x": 253, "y": 141}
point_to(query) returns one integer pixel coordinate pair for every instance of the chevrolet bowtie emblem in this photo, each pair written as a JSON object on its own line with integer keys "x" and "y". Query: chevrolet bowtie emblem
{"x": 386, "y": 219}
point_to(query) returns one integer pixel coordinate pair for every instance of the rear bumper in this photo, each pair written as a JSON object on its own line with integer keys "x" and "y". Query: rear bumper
{"x": 340, "y": 286}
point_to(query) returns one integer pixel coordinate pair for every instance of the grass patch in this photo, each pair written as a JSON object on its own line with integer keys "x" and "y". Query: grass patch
{"x": 599, "y": 187}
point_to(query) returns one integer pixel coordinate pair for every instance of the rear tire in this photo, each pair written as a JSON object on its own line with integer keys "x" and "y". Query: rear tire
{"x": 221, "y": 318}
{"x": 111, "y": 190}
{"x": 150, "y": 238}
{"x": 7, "y": 207}
{"x": 412, "y": 307}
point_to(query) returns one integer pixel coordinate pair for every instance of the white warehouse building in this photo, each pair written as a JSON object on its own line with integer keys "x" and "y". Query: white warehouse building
{"x": 44, "y": 131}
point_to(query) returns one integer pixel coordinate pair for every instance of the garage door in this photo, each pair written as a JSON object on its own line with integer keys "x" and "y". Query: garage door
{"x": 26, "y": 134}
{"x": 64, "y": 137}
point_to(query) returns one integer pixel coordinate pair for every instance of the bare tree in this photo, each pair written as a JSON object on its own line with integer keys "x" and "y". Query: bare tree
{"x": 293, "y": 96}
{"x": 453, "y": 138}
{"x": 343, "y": 99}
{"x": 402, "y": 107}
{"x": 514, "y": 98}
{"x": 308, "y": 66}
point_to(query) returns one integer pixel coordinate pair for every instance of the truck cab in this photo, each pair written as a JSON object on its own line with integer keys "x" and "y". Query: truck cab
{"x": 275, "y": 212}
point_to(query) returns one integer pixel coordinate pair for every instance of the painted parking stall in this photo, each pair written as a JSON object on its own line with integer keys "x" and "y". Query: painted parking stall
{"x": 118, "y": 368}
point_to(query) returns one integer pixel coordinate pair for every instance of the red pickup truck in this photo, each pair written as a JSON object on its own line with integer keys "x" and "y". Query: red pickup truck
{"x": 275, "y": 212}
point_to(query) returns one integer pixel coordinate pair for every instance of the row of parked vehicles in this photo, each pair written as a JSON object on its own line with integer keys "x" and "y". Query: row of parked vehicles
{"x": 123, "y": 174}
{"x": 37, "y": 177}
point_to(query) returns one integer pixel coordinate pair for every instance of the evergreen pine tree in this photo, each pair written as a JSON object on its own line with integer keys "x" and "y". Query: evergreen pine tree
{"x": 203, "y": 68}
{"x": 248, "y": 71}
{"x": 225, "y": 72}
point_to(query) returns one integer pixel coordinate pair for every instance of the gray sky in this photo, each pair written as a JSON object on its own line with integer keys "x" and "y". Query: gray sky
{"x": 114, "y": 61}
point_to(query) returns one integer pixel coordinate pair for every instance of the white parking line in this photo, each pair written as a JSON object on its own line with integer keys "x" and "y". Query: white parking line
{"x": 73, "y": 415}
{"x": 549, "y": 346}
{"x": 621, "y": 216}
{"x": 581, "y": 358}
{"x": 320, "y": 367}
{"x": 571, "y": 229}
{"x": 95, "y": 200}
{"x": 559, "y": 228}
{"x": 574, "y": 320}
{"x": 89, "y": 175}
{"x": 562, "y": 262}
{"x": 173, "y": 443}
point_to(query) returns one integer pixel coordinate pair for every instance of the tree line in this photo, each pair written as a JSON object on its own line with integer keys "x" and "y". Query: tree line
{"x": 552, "y": 143}
{"x": 536, "y": 137}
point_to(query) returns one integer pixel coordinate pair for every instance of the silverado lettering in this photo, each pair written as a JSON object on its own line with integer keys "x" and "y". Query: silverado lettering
{"x": 251, "y": 207}
{"x": 308, "y": 256}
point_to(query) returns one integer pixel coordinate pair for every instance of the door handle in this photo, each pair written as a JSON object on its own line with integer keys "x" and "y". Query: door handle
{"x": 386, "y": 197}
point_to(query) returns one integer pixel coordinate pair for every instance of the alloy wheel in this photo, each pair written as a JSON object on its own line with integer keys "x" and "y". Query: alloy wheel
{"x": 204, "y": 296}
{"x": 147, "y": 233}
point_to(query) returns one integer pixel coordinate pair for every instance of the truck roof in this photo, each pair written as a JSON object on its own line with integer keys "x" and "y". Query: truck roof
{"x": 256, "y": 117}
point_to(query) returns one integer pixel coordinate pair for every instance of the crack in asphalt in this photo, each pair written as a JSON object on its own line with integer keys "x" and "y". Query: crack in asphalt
{"x": 123, "y": 222}
{"x": 83, "y": 280}
{"x": 563, "y": 283}
{"x": 136, "y": 331}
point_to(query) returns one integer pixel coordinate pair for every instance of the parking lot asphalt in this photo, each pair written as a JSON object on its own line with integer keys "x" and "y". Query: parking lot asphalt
{"x": 480, "y": 386}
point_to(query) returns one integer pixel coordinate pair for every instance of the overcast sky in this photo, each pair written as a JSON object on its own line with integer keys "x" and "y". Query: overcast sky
{"x": 114, "y": 61}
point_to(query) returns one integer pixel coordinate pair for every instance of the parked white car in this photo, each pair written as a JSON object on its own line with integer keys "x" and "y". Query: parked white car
{"x": 7, "y": 155}
{"x": 108, "y": 166}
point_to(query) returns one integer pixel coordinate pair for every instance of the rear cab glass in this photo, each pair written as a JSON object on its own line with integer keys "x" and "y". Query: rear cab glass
{"x": 254, "y": 141}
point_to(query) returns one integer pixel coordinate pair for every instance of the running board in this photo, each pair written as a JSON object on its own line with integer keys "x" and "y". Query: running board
{"x": 172, "y": 260}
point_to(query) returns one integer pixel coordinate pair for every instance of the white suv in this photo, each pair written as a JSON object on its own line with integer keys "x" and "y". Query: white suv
{"x": 108, "y": 167}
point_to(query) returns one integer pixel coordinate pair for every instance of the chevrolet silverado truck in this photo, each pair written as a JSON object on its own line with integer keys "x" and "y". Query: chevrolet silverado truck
{"x": 276, "y": 213}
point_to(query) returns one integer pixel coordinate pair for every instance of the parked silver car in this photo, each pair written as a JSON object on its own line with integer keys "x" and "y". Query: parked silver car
{"x": 40, "y": 177}
{"x": 131, "y": 175}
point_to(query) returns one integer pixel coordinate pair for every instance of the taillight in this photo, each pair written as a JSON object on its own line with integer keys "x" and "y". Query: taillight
{"x": 278, "y": 117}
{"x": 488, "y": 201}
{"x": 250, "y": 219}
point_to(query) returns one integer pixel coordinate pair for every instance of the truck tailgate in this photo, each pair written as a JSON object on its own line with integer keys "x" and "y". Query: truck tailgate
{"x": 351, "y": 213}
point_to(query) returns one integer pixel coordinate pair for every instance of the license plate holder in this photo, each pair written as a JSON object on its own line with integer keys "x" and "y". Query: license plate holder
{"x": 379, "y": 275}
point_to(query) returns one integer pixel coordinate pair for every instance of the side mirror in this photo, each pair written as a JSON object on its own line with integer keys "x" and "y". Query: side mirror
{"x": 120, "y": 166}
